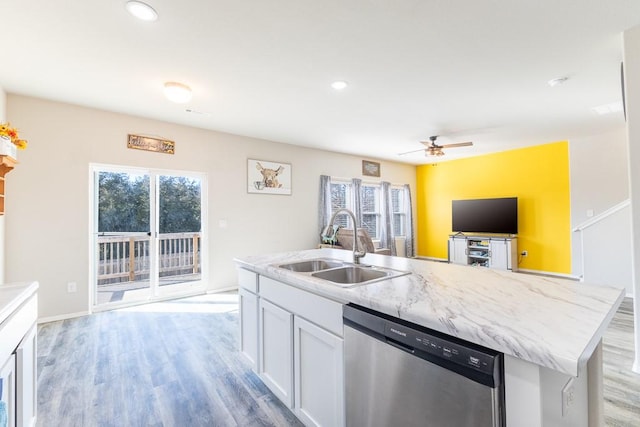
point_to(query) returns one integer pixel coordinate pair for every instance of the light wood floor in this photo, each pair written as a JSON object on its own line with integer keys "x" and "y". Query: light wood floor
{"x": 164, "y": 364}
{"x": 621, "y": 385}
{"x": 176, "y": 364}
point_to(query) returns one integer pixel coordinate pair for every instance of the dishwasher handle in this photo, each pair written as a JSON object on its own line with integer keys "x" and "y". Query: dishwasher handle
{"x": 400, "y": 346}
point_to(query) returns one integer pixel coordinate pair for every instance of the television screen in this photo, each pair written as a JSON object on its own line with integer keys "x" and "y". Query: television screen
{"x": 499, "y": 216}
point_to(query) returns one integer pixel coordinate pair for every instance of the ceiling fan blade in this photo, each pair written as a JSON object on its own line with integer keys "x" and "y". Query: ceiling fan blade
{"x": 409, "y": 152}
{"x": 458, "y": 144}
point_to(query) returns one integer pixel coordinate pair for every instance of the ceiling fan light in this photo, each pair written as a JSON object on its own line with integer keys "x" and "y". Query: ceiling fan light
{"x": 177, "y": 92}
{"x": 141, "y": 10}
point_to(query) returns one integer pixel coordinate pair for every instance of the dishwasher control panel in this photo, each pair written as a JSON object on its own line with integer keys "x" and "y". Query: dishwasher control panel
{"x": 460, "y": 354}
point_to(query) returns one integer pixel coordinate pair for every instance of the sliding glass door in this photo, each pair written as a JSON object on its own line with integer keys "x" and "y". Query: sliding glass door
{"x": 147, "y": 238}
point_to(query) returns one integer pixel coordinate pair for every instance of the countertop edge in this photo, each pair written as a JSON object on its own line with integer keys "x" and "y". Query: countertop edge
{"x": 30, "y": 288}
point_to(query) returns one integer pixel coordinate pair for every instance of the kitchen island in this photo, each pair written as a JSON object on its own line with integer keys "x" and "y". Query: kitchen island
{"x": 549, "y": 329}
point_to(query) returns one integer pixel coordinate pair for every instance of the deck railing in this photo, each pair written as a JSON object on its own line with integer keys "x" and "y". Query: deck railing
{"x": 126, "y": 257}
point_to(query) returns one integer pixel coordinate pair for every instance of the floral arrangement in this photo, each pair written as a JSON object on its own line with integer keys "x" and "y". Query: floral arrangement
{"x": 10, "y": 133}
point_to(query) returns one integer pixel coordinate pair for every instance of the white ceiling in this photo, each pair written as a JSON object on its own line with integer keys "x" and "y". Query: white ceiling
{"x": 466, "y": 70}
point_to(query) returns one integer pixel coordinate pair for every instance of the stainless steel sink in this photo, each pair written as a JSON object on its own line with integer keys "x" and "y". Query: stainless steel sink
{"x": 341, "y": 273}
{"x": 357, "y": 275}
{"x": 312, "y": 265}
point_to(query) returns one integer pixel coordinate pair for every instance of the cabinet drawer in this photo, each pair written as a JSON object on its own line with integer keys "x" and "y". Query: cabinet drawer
{"x": 321, "y": 311}
{"x": 248, "y": 280}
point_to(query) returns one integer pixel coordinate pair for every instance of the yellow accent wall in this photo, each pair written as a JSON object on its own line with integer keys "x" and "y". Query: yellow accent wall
{"x": 538, "y": 176}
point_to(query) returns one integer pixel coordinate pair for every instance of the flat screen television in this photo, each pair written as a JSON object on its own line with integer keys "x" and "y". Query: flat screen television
{"x": 499, "y": 216}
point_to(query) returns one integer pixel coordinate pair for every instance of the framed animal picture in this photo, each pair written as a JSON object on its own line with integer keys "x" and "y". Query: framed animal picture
{"x": 265, "y": 177}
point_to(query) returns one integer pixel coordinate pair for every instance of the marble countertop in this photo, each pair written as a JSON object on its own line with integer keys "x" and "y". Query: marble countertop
{"x": 552, "y": 322}
{"x": 12, "y": 295}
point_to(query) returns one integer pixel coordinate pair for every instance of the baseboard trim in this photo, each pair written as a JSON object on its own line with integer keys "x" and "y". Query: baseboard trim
{"x": 429, "y": 258}
{"x": 66, "y": 316}
{"x": 220, "y": 290}
{"x": 550, "y": 274}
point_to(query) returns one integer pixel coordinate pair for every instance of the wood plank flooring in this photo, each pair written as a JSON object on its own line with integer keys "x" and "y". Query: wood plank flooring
{"x": 165, "y": 364}
{"x": 176, "y": 364}
{"x": 621, "y": 385}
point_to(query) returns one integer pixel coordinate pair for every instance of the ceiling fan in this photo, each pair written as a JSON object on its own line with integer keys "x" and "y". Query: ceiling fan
{"x": 434, "y": 149}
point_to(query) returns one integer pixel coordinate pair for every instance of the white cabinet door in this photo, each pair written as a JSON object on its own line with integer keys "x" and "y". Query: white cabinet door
{"x": 8, "y": 395}
{"x": 26, "y": 384}
{"x": 319, "y": 376}
{"x": 458, "y": 250}
{"x": 499, "y": 254}
{"x": 276, "y": 350}
{"x": 249, "y": 327}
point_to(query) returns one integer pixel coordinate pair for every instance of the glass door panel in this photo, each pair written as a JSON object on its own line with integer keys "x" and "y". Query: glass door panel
{"x": 123, "y": 243}
{"x": 179, "y": 238}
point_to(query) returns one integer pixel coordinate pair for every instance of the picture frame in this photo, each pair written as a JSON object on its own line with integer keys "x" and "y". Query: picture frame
{"x": 268, "y": 177}
{"x": 370, "y": 168}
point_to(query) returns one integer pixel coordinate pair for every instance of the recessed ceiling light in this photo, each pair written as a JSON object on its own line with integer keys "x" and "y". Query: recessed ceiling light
{"x": 339, "y": 85}
{"x": 177, "y": 92}
{"x": 558, "y": 81}
{"x": 614, "y": 107}
{"x": 141, "y": 10}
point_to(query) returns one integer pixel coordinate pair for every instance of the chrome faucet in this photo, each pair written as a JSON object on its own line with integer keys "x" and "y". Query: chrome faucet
{"x": 357, "y": 254}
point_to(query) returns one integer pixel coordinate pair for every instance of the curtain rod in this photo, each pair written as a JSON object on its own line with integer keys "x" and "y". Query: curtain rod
{"x": 339, "y": 178}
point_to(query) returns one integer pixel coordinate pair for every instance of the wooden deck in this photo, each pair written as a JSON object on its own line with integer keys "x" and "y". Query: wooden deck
{"x": 137, "y": 290}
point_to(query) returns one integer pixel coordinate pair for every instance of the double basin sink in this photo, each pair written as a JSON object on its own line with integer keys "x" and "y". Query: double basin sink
{"x": 342, "y": 273}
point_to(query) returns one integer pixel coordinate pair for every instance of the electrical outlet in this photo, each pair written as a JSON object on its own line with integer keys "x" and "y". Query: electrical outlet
{"x": 524, "y": 253}
{"x": 72, "y": 287}
{"x": 568, "y": 397}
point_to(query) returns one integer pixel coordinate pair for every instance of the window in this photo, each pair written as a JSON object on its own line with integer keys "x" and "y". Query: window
{"x": 341, "y": 198}
{"x": 370, "y": 204}
{"x": 398, "y": 207}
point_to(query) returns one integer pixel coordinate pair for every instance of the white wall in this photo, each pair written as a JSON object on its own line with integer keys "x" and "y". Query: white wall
{"x": 48, "y": 196}
{"x": 632, "y": 91}
{"x": 3, "y": 118}
{"x": 599, "y": 172}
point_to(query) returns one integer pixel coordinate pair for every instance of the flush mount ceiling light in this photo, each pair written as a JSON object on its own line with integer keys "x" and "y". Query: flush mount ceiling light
{"x": 558, "y": 81}
{"x": 141, "y": 10}
{"x": 177, "y": 92}
{"x": 339, "y": 85}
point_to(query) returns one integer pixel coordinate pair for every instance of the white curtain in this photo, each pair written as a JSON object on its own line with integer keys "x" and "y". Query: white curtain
{"x": 356, "y": 196}
{"x": 387, "y": 237}
{"x": 324, "y": 203}
{"x": 409, "y": 246}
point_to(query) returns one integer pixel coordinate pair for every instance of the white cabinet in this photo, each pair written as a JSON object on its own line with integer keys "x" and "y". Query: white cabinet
{"x": 276, "y": 350}
{"x": 319, "y": 375}
{"x": 301, "y": 351}
{"x": 499, "y": 251}
{"x": 249, "y": 327}
{"x": 484, "y": 251}
{"x": 8, "y": 395}
{"x": 458, "y": 250}
{"x": 248, "y": 288}
{"x": 19, "y": 310}
{"x": 26, "y": 379}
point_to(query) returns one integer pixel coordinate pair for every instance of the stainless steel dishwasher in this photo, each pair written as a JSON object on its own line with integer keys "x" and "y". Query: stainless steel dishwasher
{"x": 401, "y": 374}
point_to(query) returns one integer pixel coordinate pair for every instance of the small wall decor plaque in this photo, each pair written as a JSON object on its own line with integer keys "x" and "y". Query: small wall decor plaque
{"x": 265, "y": 177}
{"x": 148, "y": 143}
{"x": 370, "y": 168}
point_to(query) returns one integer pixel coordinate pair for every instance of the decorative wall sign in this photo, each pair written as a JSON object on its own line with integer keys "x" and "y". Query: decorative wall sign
{"x": 268, "y": 177}
{"x": 148, "y": 143}
{"x": 370, "y": 168}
